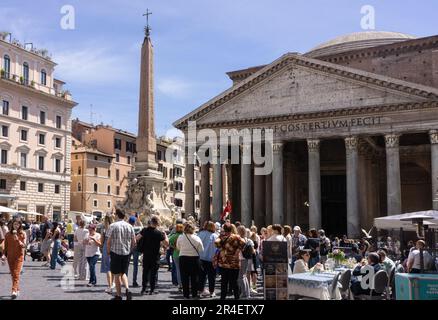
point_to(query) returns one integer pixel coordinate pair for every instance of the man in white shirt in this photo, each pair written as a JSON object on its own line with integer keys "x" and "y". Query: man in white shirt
{"x": 414, "y": 265}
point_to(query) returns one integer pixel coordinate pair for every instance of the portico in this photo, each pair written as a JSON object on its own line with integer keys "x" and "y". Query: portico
{"x": 348, "y": 146}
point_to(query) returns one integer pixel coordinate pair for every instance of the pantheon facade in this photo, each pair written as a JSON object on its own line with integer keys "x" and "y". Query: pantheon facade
{"x": 355, "y": 124}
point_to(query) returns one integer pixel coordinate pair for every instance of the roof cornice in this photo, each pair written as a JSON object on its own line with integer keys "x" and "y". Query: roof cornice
{"x": 323, "y": 114}
{"x": 384, "y": 50}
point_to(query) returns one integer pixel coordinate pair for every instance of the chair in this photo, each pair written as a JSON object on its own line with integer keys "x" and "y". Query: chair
{"x": 344, "y": 280}
{"x": 391, "y": 284}
{"x": 334, "y": 286}
{"x": 380, "y": 286}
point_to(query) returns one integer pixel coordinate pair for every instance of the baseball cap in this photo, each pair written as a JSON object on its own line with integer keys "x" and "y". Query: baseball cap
{"x": 132, "y": 219}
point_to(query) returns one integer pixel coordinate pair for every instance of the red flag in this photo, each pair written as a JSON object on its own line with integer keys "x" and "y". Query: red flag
{"x": 227, "y": 211}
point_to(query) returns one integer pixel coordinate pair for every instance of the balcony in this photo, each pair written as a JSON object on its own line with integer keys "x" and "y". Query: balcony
{"x": 14, "y": 78}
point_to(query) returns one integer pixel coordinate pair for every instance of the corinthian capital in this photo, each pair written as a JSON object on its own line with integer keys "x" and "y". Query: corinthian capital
{"x": 392, "y": 140}
{"x": 277, "y": 147}
{"x": 313, "y": 145}
{"x": 433, "y": 136}
{"x": 351, "y": 143}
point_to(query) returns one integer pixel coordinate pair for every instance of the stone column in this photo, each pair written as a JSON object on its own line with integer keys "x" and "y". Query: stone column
{"x": 189, "y": 188}
{"x": 277, "y": 184}
{"x": 353, "y": 219}
{"x": 434, "y": 163}
{"x": 245, "y": 187}
{"x": 393, "y": 185}
{"x": 217, "y": 186}
{"x": 314, "y": 184}
{"x": 259, "y": 201}
{"x": 268, "y": 199}
{"x": 205, "y": 193}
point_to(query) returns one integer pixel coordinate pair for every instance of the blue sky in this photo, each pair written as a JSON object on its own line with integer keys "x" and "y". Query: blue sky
{"x": 195, "y": 42}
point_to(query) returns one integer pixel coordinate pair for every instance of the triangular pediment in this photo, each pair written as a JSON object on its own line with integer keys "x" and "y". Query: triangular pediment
{"x": 295, "y": 84}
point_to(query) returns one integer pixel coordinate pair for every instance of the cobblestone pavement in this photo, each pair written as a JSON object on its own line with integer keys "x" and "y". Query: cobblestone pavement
{"x": 41, "y": 283}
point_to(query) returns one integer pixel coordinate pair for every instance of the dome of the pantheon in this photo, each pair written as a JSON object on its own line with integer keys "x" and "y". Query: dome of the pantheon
{"x": 356, "y": 41}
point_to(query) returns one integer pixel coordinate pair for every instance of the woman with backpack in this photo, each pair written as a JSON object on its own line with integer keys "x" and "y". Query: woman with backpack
{"x": 245, "y": 259}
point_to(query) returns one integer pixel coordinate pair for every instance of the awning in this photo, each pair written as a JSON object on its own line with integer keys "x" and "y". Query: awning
{"x": 29, "y": 213}
{"x": 393, "y": 222}
{"x": 7, "y": 210}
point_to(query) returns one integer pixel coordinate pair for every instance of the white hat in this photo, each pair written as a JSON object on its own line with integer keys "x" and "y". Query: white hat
{"x": 297, "y": 228}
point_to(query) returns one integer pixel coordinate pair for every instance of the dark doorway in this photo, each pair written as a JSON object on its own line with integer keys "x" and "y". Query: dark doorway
{"x": 334, "y": 204}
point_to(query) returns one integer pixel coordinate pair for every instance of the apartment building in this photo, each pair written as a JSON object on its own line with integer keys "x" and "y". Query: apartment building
{"x": 35, "y": 132}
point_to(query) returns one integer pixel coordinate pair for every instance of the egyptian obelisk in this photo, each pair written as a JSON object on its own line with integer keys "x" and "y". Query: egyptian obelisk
{"x": 145, "y": 194}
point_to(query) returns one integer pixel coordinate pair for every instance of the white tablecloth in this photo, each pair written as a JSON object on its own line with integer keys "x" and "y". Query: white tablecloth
{"x": 312, "y": 285}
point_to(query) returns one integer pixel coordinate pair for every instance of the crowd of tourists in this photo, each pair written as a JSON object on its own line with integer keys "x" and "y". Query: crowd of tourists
{"x": 197, "y": 256}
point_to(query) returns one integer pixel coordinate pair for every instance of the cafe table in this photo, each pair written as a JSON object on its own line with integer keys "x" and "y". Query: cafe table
{"x": 313, "y": 285}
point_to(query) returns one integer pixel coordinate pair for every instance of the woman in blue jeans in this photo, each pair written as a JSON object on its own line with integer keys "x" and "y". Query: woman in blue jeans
{"x": 92, "y": 244}
{"x": 55, "y": 258}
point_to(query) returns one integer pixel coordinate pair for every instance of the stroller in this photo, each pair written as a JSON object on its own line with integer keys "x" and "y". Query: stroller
{"x": 35, "y": 250}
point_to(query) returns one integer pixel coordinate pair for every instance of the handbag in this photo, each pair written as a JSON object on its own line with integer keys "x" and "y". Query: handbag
{"x": 199, "y": 260}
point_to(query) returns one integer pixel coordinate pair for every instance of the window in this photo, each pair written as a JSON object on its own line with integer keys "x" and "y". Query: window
{"x": 95, "y": 203}
{"x": 160, "y": 167}
{"x": 5, "y": 109}
{"x": 95, "y": 187}
{"x": 117, "y": 174}
{"x": 23, "y": 185}
{"x": 41, "y": 163}
{"x": 25, "y": 73}
{"x": 23, "y": 135}
{"x": 5, "y": 131}
{"x": 42, "y": 117}
{"x": 79, "y": 187}
{"x": 2, "y": 184}
{"x": 172, "y": 173}
{"x": 79, "y": 170}
{"x": 43, "y": 77}
{"x": 197, "y": 189}
{"x": 159, "y": 155}
{"x": 129, "y": 160}
{"x": 7, "y": 66}
{"x": 57, "y": 165}
{"x": 42, "y": 139}
{"x": 58, "y": 122}
{"x": 118, "y": 144}
{"x": 58, "y": 143}
{"x": 198, "y": 204}
{"x": 95, "y": 171}
{"x": 118, "y": 191}
{"x": 130, "y": 147}
{"x": 57, "y": 188}
{"x": 23, "y": 160}
{"x": 96, "y": 158}
{"x": 40, "y": 187}
{"x": 109, "y": 160}
{"x": 117, "y": 157}
{"x": 108, "y": 189}
{"x": 109, "y": 173}
{"x": 109, "y": 204}
{"x": 4, "y": 157}
{"x": 24, "y": 112}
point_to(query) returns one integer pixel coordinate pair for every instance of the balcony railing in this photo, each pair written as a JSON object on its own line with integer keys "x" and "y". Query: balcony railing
{"x": 25, "y": 82}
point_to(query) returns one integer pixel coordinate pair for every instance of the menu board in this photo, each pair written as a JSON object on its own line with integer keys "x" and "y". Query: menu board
{"x": 275, "y": 270}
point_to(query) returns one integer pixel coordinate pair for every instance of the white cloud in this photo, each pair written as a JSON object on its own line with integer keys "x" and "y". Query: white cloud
{"x": 91, "y": 65}
{"x": 175, "y": 87}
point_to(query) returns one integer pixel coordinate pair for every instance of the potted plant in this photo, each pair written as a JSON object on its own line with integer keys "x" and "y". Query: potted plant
{"x": 338, "y": 256}
{"x": 32, "y": 83}
{"x": 21, "y": 80}
{"x": 2, "y": 73}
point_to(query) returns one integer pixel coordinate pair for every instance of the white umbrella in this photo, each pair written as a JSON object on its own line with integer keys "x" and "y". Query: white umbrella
{"x": 26, "y": 213}
{"x": 7, "y": 210}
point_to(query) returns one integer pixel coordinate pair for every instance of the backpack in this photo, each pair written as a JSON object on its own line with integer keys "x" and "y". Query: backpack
{"x": 248, "y": 250}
